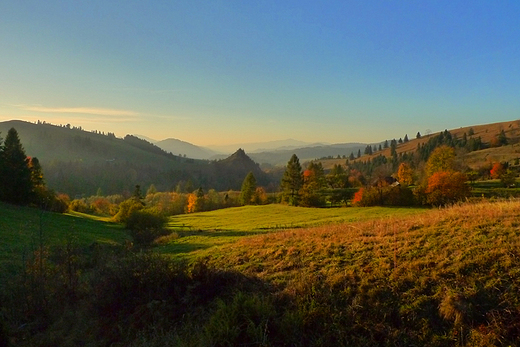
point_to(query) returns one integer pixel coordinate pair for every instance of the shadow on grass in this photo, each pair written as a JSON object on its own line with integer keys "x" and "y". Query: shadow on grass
{"x": 218, "y": 233}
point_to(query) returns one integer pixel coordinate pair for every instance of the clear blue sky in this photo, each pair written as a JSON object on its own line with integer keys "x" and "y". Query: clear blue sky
{"x": 221, "y": 72}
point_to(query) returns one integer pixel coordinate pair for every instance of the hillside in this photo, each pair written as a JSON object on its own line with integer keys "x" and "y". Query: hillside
{"x": 446, "y": 277}
{"x": 54, "y": 143}
{"x": 78, "y": 162}
{"x": 443, "y": 277}
{"x": 281, "y": 157}
{"x": 487, "y": 132}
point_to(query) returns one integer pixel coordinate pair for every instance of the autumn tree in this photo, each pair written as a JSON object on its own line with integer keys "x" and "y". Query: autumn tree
{"x": 496, "y": 171}
{"x": 313, "y": 183}
{"x": 247, "y": 193}
{"x": 292, "y": 181}
{"x": 405, "y": 174}
{"x": 446, "y": 187}
{"x": 441, "y": 159}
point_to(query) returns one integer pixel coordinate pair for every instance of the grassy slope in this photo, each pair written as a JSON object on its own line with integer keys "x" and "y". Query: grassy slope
{"x": 442, "y": 272}
{"x": 200, "y": 231}
{"x": 20, "y": 230}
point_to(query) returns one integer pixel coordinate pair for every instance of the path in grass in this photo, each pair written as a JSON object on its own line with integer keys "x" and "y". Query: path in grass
{"x": 197, "y": 232}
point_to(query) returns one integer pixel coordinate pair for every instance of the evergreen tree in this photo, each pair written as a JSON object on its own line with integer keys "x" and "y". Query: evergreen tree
{"x": 15, "y": 176}
{"x": 247, "y": 193}
{"x": 406, "y": 138}
{"x": 292, "y": 181}
{"x": 359, "y": 153}
{"x": 386, "y": 144}
{"x": 418, "y": 136}
{"x": 351, "y": 157}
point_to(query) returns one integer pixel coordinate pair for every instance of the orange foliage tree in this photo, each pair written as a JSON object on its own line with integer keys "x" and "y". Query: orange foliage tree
{"x": 446, "y": 187}
{"x": 497, "y": 171}
{"x": 192, "y": 203}
{"x": 358, "y": 197}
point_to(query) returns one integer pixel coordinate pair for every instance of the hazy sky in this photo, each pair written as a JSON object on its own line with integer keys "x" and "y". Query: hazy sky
{"x": 221, "y": 72}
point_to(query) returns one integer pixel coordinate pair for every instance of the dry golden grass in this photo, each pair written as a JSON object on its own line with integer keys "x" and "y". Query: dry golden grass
{"x": 453, "y": 268}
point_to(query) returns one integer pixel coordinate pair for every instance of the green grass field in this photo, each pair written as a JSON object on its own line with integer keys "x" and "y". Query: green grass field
{"x": 194, "y": 233}
{"x": 20, "y": 231}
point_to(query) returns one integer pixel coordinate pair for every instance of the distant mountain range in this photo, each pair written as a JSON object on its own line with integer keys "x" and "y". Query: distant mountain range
{"x": 271, "y": 153}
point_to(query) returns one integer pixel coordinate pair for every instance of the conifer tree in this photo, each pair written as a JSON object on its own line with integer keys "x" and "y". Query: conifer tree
{"x": 15, "y": 176}
{"x": 247, "y": 193}
{"x": 292, "y": 181}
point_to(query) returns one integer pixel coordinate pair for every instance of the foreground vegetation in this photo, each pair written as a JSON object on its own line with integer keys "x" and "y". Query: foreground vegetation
{"x": 442, "y": 277}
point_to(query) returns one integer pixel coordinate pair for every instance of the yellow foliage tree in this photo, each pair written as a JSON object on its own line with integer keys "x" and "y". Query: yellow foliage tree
{"x": 441, "y": 159}
{"x": 192, "y": 203}
{"x": 405, "y": 174}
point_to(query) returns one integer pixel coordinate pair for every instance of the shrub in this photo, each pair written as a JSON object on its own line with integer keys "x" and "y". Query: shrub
{"x": 126, "y": 208}
{"x": 145, "y": 226}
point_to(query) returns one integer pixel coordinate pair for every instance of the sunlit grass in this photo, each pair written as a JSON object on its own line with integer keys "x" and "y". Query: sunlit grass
{"x": 201, "y": 231}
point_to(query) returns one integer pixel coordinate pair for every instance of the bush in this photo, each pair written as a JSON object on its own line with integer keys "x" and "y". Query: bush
{"x": 126, "y": 208}
{"x": 145, "y": 226}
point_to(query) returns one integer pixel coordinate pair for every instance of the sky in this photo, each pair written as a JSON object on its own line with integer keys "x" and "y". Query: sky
{"x": 222, "y": 72}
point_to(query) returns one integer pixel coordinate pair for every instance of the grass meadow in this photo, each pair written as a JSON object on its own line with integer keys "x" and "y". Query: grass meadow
{"x": 23, "y": 229}
{"x": 195, "y": 234}
{"x": 274, "y": 276}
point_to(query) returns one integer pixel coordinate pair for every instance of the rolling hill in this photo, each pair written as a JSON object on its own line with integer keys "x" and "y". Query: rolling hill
{"x": 78, "y": 162}
{"x": 476, "y": 159}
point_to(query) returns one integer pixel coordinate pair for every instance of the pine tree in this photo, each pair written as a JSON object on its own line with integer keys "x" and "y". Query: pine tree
{"x": 247, "y": 193}
{"x": 418, "y": 136}
{"x": 292, "y": 181}
{"x": 406, "y": 138}
{"x": 15, "y": 176}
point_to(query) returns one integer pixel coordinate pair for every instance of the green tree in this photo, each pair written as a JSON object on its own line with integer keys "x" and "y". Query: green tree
{"x": 338, "y": 177}
{"x": 247, "y": 193}
{"x": 15, "y": 184}
{"x": 292, "y": 181}
{"x": 200, "y": 204}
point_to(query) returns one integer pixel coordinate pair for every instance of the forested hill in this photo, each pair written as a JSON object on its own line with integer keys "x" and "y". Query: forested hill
{"x": 79, "y": 162}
